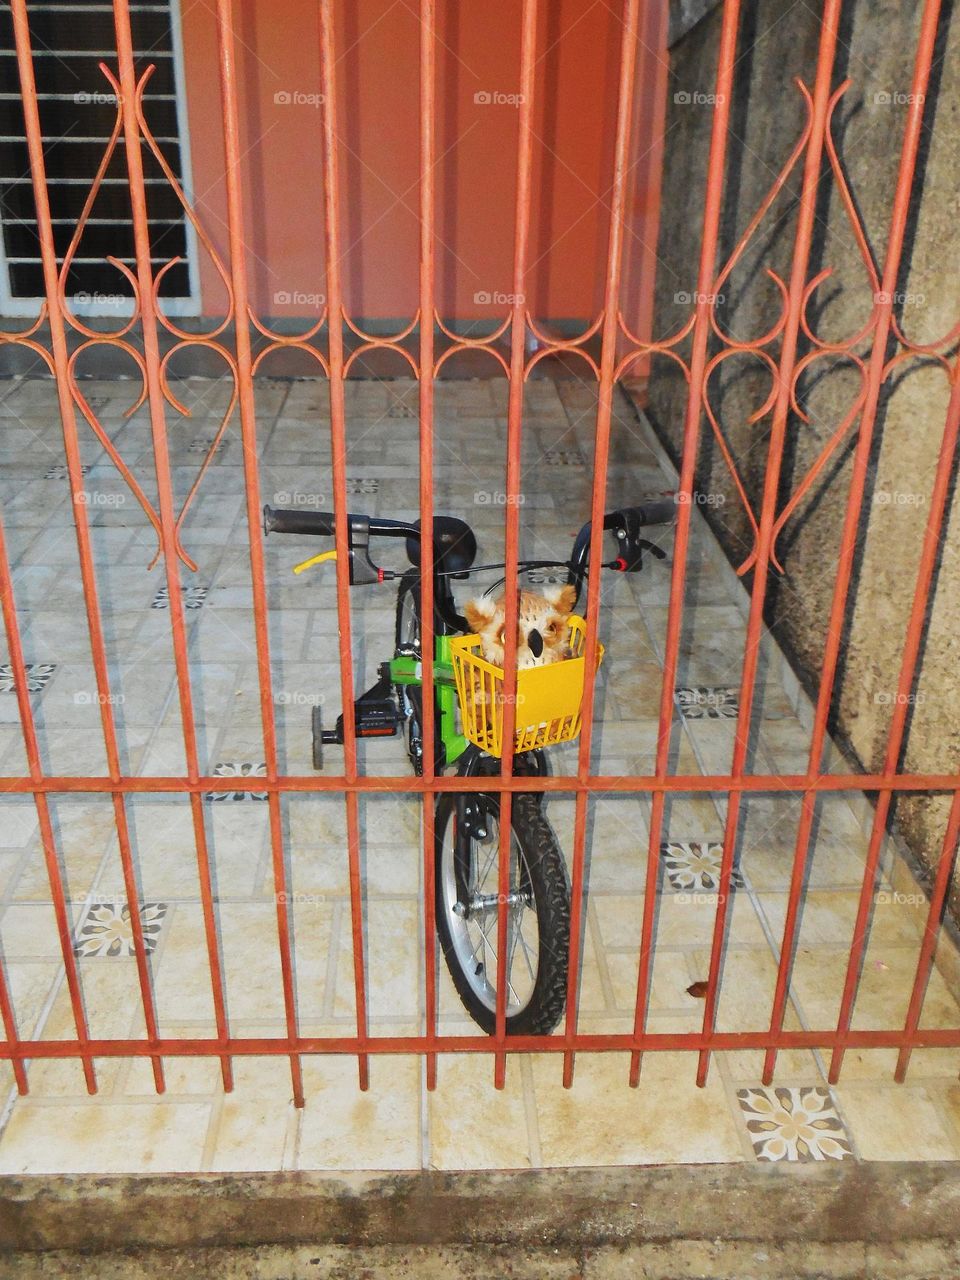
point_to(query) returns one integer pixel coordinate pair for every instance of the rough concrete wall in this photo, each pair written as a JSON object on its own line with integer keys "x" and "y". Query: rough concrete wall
{"x": 685, "y": 14}
{"x": 878, "y": 41}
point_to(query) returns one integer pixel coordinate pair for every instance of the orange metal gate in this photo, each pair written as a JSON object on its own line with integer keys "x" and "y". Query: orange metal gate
{"x": 57, "y": 337}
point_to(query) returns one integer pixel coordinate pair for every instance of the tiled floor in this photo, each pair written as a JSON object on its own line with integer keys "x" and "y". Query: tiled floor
{"x": 397, "y": 1124}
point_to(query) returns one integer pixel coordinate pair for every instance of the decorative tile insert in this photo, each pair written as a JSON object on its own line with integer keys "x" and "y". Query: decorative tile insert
{"x": 798, "y": 1124}
{"x": 695, "y": 864}
{"x": 564, "y": 458}
{"x": 106, "y": 929}
{"x": 701, "y": 702}
{"x": 367, "y": 485}
{"x": 238, "y": 769}
{"x": 193, "y": 598}
{"x": 60, "y": 472}
{"x": 39, "y": 675}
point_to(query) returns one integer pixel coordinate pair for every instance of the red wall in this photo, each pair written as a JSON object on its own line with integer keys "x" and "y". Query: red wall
{"x": 478, "y": 52}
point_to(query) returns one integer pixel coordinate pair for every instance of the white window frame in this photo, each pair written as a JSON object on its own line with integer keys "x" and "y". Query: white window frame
{"x": 189, "y": 306}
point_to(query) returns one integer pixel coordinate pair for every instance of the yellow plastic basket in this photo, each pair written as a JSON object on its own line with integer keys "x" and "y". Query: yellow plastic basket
{"x": 548, "y": 698}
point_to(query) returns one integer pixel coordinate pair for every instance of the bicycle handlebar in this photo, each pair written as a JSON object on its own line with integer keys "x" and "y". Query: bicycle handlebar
{"x": 658, "y": 511}
{"x": 322, "y": 523}
{"x": 625, "y": 523}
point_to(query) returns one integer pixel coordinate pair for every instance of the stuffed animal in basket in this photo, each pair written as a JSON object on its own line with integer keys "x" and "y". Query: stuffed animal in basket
{"x": 543, "y": 630}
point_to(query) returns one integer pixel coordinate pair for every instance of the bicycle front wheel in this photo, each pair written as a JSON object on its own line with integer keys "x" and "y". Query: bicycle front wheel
{"x": 537, "y": 906}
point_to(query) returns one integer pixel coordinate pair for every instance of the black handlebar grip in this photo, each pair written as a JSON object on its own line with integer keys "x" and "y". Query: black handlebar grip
{"x": 281, "y": 520}
{"x": 656, "y": 511}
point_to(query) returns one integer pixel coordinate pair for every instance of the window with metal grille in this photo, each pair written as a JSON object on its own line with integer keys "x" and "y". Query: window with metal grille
{"x": 77, "y": 114}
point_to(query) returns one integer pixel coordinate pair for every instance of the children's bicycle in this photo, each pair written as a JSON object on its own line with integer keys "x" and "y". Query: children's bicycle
{"x": 468, "y": 702}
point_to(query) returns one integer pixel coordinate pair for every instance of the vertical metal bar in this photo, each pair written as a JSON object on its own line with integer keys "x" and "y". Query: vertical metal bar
{"x": 248, "y": 429}
{"x": 691, "y": 436}
{"x": 7, "y": 1016}
{"x": 608, "y": 361}
{"x": 155, "y": 399}
{"x": 646, "y": 177}
{"x": 911, "y": 651}
{"x": 521, "y": 237}
{"x": 34, "y": 140}
{"x": 788, "y": 352}
{"x": 427, "y": 336}
{"x": 878, "y": 355}
{"x": 931, "y": 932}
{"x": 338, "y": 445}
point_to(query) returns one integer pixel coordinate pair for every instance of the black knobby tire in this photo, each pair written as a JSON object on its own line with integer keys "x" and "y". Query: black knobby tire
{"x": 316, "y": 726}
{"x": 545, "y": 874}
{"x": 412, "y": 695}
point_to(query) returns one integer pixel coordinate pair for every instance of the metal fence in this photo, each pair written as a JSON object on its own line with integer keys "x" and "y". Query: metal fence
{"x": 150, "y": 337}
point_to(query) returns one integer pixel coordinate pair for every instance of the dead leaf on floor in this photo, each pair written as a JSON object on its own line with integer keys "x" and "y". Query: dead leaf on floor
{"x": 698, "y": 990}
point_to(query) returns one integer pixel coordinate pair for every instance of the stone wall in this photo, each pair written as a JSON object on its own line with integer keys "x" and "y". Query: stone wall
{"x": 778, "y": 40}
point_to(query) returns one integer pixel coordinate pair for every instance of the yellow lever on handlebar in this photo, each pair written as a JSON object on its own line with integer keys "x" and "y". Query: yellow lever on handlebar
{"x": 307, "y": 564}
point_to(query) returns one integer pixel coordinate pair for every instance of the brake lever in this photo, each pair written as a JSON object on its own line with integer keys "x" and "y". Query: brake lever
{"x": 363, "y": 572}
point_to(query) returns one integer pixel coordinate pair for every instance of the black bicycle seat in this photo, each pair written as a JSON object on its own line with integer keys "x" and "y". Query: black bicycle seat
{"x": 454, "y": 545}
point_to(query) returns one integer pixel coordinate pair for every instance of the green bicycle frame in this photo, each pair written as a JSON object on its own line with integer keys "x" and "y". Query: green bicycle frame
{"x": 405, "y": 670}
